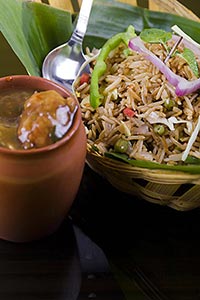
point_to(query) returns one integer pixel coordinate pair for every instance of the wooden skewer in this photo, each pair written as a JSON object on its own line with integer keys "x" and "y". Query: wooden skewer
{"x": 172, "y": 50}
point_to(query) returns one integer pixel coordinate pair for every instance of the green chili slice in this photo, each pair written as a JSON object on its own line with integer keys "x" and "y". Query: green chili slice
{"x": 100, "y": 66}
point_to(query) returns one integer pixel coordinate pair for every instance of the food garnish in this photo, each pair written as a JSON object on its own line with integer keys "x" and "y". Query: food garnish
{"x": 182, "y": 86}
{"x": 156, "y": 36}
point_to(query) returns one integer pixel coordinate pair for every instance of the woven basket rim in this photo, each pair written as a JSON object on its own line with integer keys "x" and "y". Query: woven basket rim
{"x": 161, "y": 176}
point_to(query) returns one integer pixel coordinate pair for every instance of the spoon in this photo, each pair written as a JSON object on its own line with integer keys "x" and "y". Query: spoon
{"x": 63, "y": 64}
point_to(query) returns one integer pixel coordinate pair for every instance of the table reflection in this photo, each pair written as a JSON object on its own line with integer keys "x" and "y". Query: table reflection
{"x": 46, "y": 269}
{"x": 155, "y": 248}
{"x": 67, "y": 265}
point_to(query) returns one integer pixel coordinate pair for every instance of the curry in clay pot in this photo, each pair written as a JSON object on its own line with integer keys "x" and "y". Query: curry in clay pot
{"x": 42, "y": 156}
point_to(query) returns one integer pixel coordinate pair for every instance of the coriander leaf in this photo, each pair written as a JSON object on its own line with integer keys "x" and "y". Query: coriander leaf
{"x": 155, "y": 36}
{"x": 190, "y": 58}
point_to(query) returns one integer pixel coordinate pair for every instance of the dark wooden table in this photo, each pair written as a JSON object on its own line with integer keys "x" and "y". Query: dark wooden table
{"x": 111, "y": 247}
{"x": 67, "y": 265}
{"x": 154, "y": 251}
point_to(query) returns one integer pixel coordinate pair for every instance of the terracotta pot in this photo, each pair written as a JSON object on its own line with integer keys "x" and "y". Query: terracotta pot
{"x": 38, "y": 186}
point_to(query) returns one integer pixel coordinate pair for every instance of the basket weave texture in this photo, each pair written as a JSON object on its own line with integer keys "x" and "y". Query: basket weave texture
{"x": 178, "y": 190}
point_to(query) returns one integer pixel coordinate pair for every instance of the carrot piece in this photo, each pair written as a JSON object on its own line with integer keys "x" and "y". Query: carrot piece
{"x": 84, "y": 78}
{"x": 128, "y": 112}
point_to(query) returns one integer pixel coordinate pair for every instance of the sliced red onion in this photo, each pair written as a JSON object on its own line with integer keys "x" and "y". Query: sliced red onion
{"x": 188, "y": 41}
{"x": 183, "y": 86}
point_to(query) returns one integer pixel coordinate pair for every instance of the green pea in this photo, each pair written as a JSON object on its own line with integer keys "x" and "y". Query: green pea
{"x": 169, "y": 104}
{"x": 121, "y": 146}
{"x": 159, "y": 129}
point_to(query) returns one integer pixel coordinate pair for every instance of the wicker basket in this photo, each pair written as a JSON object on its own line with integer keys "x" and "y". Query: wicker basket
{"x": 178, "y": 190}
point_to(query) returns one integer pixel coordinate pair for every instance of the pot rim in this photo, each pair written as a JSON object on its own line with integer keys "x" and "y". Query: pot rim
{"x": 36, "y": 81}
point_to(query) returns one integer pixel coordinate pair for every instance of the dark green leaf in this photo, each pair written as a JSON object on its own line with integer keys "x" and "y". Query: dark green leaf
{"x": 190, "y": 168}
{"x": 192, "y": 160}
{"x": 106, "y": 21}
{"x": 32, "y": 30}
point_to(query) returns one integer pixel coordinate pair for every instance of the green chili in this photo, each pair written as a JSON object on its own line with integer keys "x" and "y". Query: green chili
{"x": 100, "y": 66}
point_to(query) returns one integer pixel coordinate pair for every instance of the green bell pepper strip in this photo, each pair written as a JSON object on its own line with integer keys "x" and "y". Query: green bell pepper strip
{"x": 100, "y": 66}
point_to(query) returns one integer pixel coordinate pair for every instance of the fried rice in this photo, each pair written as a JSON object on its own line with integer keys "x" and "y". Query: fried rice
{"x": 160, "y": 125}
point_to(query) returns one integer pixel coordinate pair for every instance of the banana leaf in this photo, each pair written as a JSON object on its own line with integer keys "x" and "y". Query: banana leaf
{"x": 107, "y": 15}
{"x": 33, "y": 29}
{"x": 191, "y": 167}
